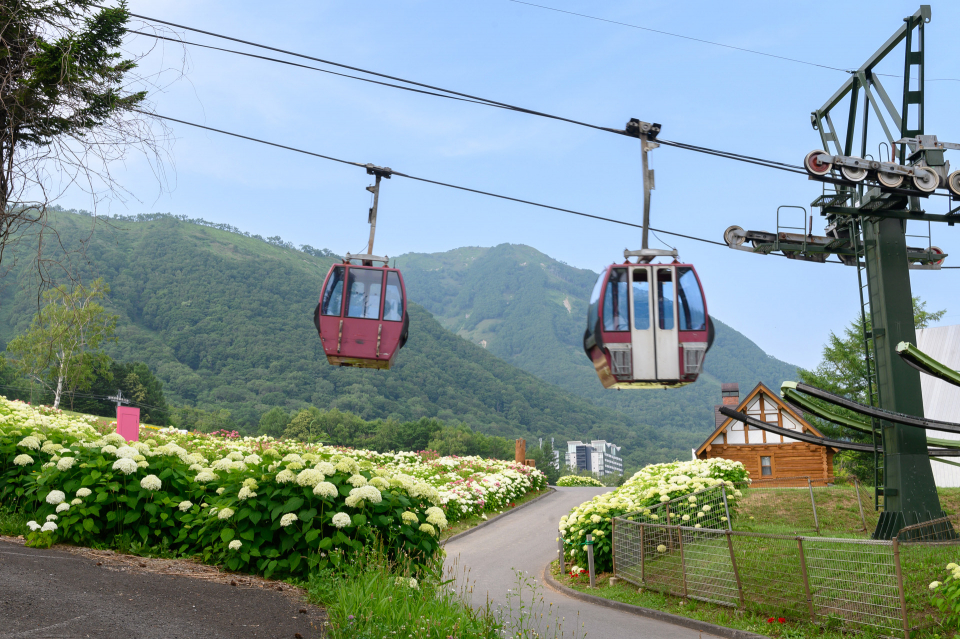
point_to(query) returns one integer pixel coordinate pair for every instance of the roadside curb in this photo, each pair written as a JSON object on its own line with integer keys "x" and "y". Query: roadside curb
{"x": 659, "y": 615}
{"x": 549, "y": 491}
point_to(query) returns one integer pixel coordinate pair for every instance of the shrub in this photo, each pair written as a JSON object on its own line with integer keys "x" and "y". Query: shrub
{"x": 254, "y": 504}
{"x": 947, "y": 597}
{"x": 577, "y": 480}
{"x": 652, "y": 485}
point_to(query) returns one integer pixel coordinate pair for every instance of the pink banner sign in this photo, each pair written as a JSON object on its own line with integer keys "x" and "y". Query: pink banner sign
{"x": 128, "y": 423}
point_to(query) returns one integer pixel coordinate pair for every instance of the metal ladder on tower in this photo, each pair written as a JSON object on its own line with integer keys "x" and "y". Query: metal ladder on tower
{"x": 869, "y": 352}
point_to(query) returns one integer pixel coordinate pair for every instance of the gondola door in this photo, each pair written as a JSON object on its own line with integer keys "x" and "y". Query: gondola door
{"x": 641, "y": 325}
{"x": 665, "y": 327}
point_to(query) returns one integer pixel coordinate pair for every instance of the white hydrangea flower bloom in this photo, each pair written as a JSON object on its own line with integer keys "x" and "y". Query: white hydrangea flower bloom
{"x": 325, "y": 489}
{"x": 150, "y": 482}
{"x": 235, "y": 544}
{"x": 63, "y": 507}
{"x": 427, "y": 528}
{"x": 109, "y": 449}
{"x": 326, "y": 468}
{"x": 235, "y": 456}
{"x": 125, "y": 465}
{"x": 285, "y": 477}
{"x": 220, "y": 490}
{"x": 30, "y": 442}
{"x": 55, "y": 497}
{"x": 341, "y": 520}
{"x": 409, "y": 517}
{"x": 48, "y": 527}
{"x": 185, "y": 506}
{"x": 245, "y": 493}
{"x": 84, "y": 492}
{"x": 661, "y": 548}
{"x": 226, "y": 513}
{"x": 357, "y": 481}
{"x": 309, "y": 477}
{"x": 292, "y": 458}
{"x": 250, "y": 483}
{"x": 34, "y": 526}
{"x": 288, "y": 519}
{"x": 142, "y": 464}
{"x": 205, "y": 475}
{"x": 52, "y": 517}
{"x": 413, "y": 584}
{"x": 22, "y": 460}
{"x": 66, "y": 463}
{"x": 252, "y": 460}
{"x": 76, "y": 502}
{"x": 128, "y": 452}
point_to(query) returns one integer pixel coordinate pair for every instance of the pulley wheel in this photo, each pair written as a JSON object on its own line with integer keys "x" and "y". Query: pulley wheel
{"x": 926, "y": 179}
{"x": 889, "y": 180}
{"x": 953, "y": 183}
{"x": 853, "y": 173}
{"x": 734, "y": 236}
{"x": 939, "y": 251}
{"x": 815, "y": 166}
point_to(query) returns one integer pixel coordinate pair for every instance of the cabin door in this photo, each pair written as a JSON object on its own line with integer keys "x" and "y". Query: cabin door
{"x": 641, "y": 325}
{"x": 666, "y": 330}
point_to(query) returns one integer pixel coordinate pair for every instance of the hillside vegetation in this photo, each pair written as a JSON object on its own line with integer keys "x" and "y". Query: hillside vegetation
{"x": 225, "y": 322}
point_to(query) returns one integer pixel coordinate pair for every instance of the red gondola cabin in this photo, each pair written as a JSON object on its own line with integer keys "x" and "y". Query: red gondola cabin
{"x": 647, "y": 326}
{"x": 367, "y": 325}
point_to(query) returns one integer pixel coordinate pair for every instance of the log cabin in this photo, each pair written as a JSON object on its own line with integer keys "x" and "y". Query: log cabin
{"x": 765, "y": 455}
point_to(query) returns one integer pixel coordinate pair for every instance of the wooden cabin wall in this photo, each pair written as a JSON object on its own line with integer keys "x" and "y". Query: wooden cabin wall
{"x": 788, "y": 460}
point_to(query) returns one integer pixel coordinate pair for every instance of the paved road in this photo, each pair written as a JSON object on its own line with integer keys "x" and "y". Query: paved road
{"x": 49, "y": 593}
{"x": 526, "y": 540}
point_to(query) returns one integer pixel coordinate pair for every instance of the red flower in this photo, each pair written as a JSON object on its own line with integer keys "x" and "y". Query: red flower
{"x": 781, "y": 620}
{"x": 770, "y": 620}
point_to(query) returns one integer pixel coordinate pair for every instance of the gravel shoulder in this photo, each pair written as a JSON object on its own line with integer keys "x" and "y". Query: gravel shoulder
{"x": 79, "y": 592}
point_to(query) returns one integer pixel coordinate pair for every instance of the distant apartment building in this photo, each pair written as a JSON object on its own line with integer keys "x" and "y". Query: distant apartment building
{"x": 599, "y": 456}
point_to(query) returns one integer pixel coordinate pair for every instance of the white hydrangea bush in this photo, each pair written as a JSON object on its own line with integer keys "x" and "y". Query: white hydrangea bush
{"x": 579, "y": 481}
{"x": 649, "y": 487}
{"x": 289, "y": 504}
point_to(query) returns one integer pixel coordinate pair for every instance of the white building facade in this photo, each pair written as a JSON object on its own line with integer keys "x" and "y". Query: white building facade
{"x": 599, "y": 456}
{"x": 941, "y": 401}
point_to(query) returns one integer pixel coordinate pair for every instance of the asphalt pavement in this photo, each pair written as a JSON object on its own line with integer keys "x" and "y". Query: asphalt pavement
{"x": 51, "y": 593}
{"x": 526, "y": 541}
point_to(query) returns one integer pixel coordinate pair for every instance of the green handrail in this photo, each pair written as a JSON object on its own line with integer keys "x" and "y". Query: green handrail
{"x": 919, "y": 360}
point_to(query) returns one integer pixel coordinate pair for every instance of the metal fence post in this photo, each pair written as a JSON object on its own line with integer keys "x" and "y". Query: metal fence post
{"x": 563, "y": 567}
{"x": 613, "y": 547}
{"x": 903, "y": 599}
{"x": 643, "y": 551}
{"x": 593, "y": 577}
{"x": 806, "y": 580}
{"x": 726, "y": 509}
{"x": 863, "y": 519}
{"x": 813, "y": 502}
{"x": 736, "y": 573}
{"x": 683, "y": 563}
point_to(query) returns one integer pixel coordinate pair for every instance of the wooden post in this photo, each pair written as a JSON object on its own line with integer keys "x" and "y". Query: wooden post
{"x": 726, "y": 508}
{"x": 813, "y": 503}
{"x": 903, "y": 599}
{"x": 563, "y": 567}
{"x": 736, "y": 573}
{"x": 683, "y": 563}
{"x": 806, "y": 581}
{"x": 520, "y": 451}
{"x": 593, "y": 577}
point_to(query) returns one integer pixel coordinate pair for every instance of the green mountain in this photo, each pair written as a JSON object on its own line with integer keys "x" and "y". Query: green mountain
{"x": 224, "y": 320}
{"x": 530, "y": 310}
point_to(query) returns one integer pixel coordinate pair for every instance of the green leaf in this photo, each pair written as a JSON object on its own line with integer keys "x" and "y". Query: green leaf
{"x": 311, "y": 535}
{"x": 325, "y": 544}
{"x": 292, "y": 504}
{"x": 294, "y": 561}
{"x": 255, "y": 517}
{"x": 307, "y": 515}
{"x": 227, "y": 534}
{"x": 359, "y": 519}
{"x": 144, "y": 532}
{"x": 88, "y": 524}
{"x": 131, "y": 517}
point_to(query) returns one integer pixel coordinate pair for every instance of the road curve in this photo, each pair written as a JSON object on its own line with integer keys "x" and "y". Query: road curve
{"x": 526, "y": 540}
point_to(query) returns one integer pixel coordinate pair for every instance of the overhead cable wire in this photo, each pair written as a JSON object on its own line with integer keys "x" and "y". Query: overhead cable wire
{"x": 711, "y": 42}
{"x": 427, "y": 180}
{"x": 465, "y": 97}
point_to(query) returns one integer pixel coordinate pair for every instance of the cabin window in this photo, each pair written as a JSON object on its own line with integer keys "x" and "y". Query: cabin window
{"x": 393, "y": 299}
{"x": 693, "y": 316}
{"x": 333, "y": 294}
{"x": 766, "y": 469}
{"x": 616, "y": 302}
{"x": 665, "y": 297}
{"x": 641, "y": 300}
{"x": 364, "y": 286}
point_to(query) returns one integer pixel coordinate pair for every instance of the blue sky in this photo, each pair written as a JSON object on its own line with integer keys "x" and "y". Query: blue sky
{"x": 583, "y": 69}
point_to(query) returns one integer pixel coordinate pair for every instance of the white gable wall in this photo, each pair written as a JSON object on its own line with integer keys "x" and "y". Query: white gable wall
{"x": 736, "y": 433}
{"x": 941, "y": 400}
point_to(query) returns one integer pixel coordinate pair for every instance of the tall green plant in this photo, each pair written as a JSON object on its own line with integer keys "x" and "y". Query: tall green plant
{"x": 63, "y": 345}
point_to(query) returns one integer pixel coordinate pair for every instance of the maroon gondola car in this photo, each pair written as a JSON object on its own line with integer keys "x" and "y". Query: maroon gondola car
{"x": 647, "y": 325}
{"x": 362, "y": 315}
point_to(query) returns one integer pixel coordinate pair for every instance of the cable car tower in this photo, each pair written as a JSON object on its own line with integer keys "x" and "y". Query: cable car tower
{"x": 867, "y": 203}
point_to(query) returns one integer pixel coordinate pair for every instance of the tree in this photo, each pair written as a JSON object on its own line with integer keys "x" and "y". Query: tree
{"x": 542, "y": 455}
{"x": 843, "y": 371}
{"x": 63, "y": 344}
{"x": 66, "y": 109}
{"x": 274, "y": 422}
{"x": 137, "y": 383}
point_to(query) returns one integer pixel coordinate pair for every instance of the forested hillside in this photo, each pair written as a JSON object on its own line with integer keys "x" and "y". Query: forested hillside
{"x": 225, "y": 322}
{"x": 530, "y": 310}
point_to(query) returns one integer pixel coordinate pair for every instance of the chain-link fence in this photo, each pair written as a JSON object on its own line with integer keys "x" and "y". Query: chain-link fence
{"x": 852, "y": 582}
